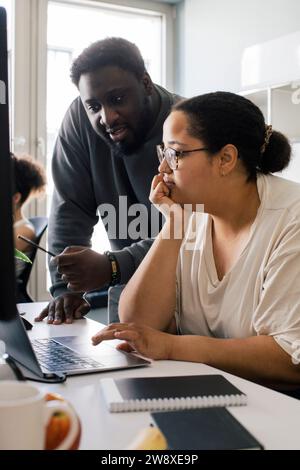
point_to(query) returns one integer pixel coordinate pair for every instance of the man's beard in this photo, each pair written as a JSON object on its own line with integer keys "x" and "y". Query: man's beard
{"x": 123, "y": 148}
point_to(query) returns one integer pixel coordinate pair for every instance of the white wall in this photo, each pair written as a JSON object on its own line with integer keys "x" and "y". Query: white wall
{"x": 212, "y": 35}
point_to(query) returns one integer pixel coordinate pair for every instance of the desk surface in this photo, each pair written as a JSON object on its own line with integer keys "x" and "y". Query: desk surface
{"x": 271, "y": 417}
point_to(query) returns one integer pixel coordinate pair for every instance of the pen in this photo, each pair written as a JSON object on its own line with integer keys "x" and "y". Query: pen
{"x": 35, "y": 244}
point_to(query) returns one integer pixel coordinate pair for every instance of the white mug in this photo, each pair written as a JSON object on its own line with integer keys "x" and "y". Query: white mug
{"x": 24, "y": 414}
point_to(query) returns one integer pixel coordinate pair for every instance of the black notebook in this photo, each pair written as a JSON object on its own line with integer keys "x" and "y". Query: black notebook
{"x": 170, "y": 393}
{"x": 204, "y": 429}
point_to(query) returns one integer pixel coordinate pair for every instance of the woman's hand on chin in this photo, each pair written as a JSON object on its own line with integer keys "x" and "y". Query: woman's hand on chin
{"x": 160, "y": 197}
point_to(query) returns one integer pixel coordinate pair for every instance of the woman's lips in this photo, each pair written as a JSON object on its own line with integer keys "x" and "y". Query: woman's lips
{"x": 170, "y": 184}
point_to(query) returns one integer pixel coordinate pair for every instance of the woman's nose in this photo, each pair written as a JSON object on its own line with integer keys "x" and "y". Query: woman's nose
{"x": 164, "y": 167}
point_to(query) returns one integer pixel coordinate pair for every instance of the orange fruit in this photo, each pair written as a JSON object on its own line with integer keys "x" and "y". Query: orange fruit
{"x": 58, "y": 427}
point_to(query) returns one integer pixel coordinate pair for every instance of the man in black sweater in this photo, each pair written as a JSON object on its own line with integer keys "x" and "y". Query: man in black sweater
{"x": 106, "y": 148}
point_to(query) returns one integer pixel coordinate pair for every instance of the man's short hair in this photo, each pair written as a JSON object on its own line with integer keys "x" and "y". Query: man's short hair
{"x": 109, "y": 52}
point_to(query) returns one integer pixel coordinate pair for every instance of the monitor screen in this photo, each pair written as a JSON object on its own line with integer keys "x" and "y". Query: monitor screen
{"x": 7, "y": 284}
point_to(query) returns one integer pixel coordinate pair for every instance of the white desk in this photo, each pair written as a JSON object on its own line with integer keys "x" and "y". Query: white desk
{"x": 273, "y": 418}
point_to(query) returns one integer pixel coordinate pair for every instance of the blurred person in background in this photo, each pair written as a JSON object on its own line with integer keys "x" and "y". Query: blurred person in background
{"x": 29, "y": 182}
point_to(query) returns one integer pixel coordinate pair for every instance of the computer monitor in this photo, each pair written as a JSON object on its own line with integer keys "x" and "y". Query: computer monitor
{"x": 12, "y": 331}
{"x": 7, "y": 284}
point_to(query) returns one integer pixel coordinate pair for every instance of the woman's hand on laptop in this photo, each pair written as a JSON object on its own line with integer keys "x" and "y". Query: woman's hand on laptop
{"x": 146, "y": 341}
{"x": 64, "y": 308}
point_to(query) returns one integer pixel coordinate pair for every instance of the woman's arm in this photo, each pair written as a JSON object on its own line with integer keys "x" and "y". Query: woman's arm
{"x": 257, "y": 358}
{"x": 26, "y": 231}
{"x": 150, "y": 295}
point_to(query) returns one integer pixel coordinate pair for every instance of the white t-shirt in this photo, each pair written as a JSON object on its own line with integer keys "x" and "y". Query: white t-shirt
{"x": 260, "y": 295}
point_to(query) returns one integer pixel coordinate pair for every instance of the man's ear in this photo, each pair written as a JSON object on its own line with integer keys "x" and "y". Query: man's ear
{"x": 228, "y": 159}
{"x": 148, "y": 84}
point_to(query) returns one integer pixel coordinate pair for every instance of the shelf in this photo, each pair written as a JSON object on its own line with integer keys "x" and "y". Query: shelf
{"x": 261, "y": 99}
{"x": 280, "y": 105}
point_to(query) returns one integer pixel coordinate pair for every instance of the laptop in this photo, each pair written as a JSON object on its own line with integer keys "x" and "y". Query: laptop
{"x": 53, "y": 359}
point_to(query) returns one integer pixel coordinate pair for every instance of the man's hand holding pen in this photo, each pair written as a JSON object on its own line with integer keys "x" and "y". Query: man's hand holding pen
{"x": 83, "y": 269}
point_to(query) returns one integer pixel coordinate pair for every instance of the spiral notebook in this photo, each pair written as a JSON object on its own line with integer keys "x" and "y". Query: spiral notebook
{"x": 170, "y": 393}
{"x": 204, "y": 429}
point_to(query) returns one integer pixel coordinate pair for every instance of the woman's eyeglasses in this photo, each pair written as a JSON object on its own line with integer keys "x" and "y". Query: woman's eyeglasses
{"x": 172, "y": 156}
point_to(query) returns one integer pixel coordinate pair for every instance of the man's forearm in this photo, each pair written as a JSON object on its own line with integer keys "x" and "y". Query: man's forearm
{"x": 257, "y": 358}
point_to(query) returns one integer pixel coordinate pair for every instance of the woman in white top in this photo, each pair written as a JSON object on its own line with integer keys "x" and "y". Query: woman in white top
{"x": 232, "y": 274}
{"x": 29, "y": 181}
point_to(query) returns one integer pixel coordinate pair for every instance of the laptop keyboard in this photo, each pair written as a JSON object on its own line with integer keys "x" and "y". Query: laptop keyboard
{"x": 56, "y": 357}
